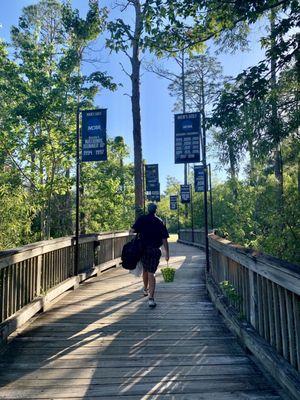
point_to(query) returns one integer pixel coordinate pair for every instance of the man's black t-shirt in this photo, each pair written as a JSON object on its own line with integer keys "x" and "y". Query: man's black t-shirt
{"x": 151, "y": 229}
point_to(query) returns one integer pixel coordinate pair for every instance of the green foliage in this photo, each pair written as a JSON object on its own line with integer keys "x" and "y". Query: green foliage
{"x": 251, "y": 218}
{"x": 16, "y": 211}
{"x": 230, "y": 292}
{"x": 41, "y": 88}
{"x": 233, "y": 297}
{"x": 170, "y": 217}
{"x": 188, "y": 23}
{"x": 107, "y": 201}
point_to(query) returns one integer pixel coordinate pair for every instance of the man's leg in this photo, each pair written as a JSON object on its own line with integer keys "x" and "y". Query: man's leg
{"x": 151, "y": 279}
{"x": 145, "y": 279}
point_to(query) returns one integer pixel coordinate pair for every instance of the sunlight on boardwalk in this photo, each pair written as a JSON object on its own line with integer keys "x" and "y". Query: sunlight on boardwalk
{"x": 103, "y": 342}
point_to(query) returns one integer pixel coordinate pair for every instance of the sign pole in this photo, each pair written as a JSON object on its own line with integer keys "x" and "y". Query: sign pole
{"x": 211, "y": 199}
{"x": 94, "y": 148}
{"x": 205, "y": 175}
{"x": 192, "y": 214}
{"x": 183, "y": 110}
{"x": 144, "y": 192}
{"x": 77, "y": 231}
{"x": 178, "y": 219}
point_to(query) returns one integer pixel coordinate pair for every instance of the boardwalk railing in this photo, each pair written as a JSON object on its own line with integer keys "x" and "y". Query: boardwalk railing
{"x": 260, "y": 295}
{"x": 33, "y": 275}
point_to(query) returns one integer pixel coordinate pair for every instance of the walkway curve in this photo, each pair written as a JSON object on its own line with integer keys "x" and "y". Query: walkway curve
{"x": 102, "y": 341}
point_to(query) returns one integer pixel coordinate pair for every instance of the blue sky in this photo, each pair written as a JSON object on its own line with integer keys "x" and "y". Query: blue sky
{"x": 156, "y": 104}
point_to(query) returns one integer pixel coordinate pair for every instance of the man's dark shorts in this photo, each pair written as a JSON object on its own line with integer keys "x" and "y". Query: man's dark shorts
{"x": 150, "y": 259}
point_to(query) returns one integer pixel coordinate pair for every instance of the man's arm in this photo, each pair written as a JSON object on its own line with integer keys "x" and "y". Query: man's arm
{"x": 136, "y": 226}
{"x": 166, "y": 246}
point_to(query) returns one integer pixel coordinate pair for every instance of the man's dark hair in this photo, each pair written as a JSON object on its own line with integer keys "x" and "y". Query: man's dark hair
{"x": 152, "y": 208}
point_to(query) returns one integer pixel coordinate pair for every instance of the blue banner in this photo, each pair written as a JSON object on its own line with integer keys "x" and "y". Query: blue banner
{"x": 94, "y": 142}
{"x": 154, "y": 195}
{"x": 199, "y": 176}
{"x": 173, "y": 202}
{"x": 185, "y": 194}
{"x": 152, "y": 179}
{"x": 187, "y": 138}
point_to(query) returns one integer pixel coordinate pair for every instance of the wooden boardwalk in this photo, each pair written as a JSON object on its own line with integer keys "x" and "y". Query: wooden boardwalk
{"x": 103, "y": 342}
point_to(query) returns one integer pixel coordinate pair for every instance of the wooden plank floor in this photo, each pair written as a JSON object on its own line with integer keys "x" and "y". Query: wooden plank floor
{"x": 103, "y": 342}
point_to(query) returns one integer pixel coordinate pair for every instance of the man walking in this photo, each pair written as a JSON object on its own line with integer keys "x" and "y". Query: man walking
{"x": 153, "y": 234}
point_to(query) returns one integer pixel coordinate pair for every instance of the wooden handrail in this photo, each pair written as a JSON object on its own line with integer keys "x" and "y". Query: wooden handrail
{"x": 266, "y": 292}
{"x": 278, "y": 271}
{"x": 32, "y": 275}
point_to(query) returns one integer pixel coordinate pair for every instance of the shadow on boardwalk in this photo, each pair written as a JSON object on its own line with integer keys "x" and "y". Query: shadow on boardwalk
{"x": 103, "y": 342}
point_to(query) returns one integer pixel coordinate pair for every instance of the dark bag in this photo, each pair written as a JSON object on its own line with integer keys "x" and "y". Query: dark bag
{"x": 131, "y": 254}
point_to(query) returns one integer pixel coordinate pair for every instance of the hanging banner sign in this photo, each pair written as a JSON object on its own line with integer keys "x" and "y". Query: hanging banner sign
{"x": 187, "y": 138}
{"x": 199, "y": 177}
{"x": 173, "y": 203}
{"x": 152, "y": 179}
{"x": 154, "y": 195}
{"x": 94, "y": 143}
{"x": 185, "y": 194}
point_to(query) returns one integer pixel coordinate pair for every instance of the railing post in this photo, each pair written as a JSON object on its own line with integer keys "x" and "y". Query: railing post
{"x": 113, "y": 247}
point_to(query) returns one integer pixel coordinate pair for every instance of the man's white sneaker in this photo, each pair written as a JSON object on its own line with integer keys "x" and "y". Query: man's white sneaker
{"x": 145, "y": 292}
{"x": 151, "y": 303}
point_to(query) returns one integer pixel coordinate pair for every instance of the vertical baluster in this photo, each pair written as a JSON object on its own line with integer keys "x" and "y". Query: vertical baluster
{"x": 296, "y": 316}
{"x": 30, "y": 279}
{"x": 50, "y": 283}
{"x": 22, "y": 282}
{"x": 283, "y": 318}
{"x": 266, "y": 311}
{"x": 290, "y": 328}
{"x": 60, "y": 271}
{"x": 243, "y": 294}
{"x": 247, "y": 291}
{"x": 260, "y": 306}
{"x": 46, "y": 271}
{"x": 277, "y": 321}
{"x": 8, "y": 292}
{"x": 253, "y": 298}
{"x": 18, "y": 286}
{"x": 55, "y": 267}
{"x": 2, "y": 294}
{"x": 14, "y": 287}
{"x": 271, "y": 313}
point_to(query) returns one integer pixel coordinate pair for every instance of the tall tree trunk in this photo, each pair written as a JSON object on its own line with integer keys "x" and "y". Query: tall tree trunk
{"x": 299, "y": 174}
{"x": 232, "y": 171}
{"x": 136, "y": 111}
{"x": 274, "y": 118}
{"x": 67, "y": 225}
{"x": 82, "y": 215}
{"x": 43, "y": 212}
{"x": 252, "y": 163}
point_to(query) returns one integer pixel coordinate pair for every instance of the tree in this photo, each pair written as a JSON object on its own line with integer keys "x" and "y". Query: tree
{"x": 108, "y": 196}
{"x": 49, "y": 44}
{"x": 130, "y": 40}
